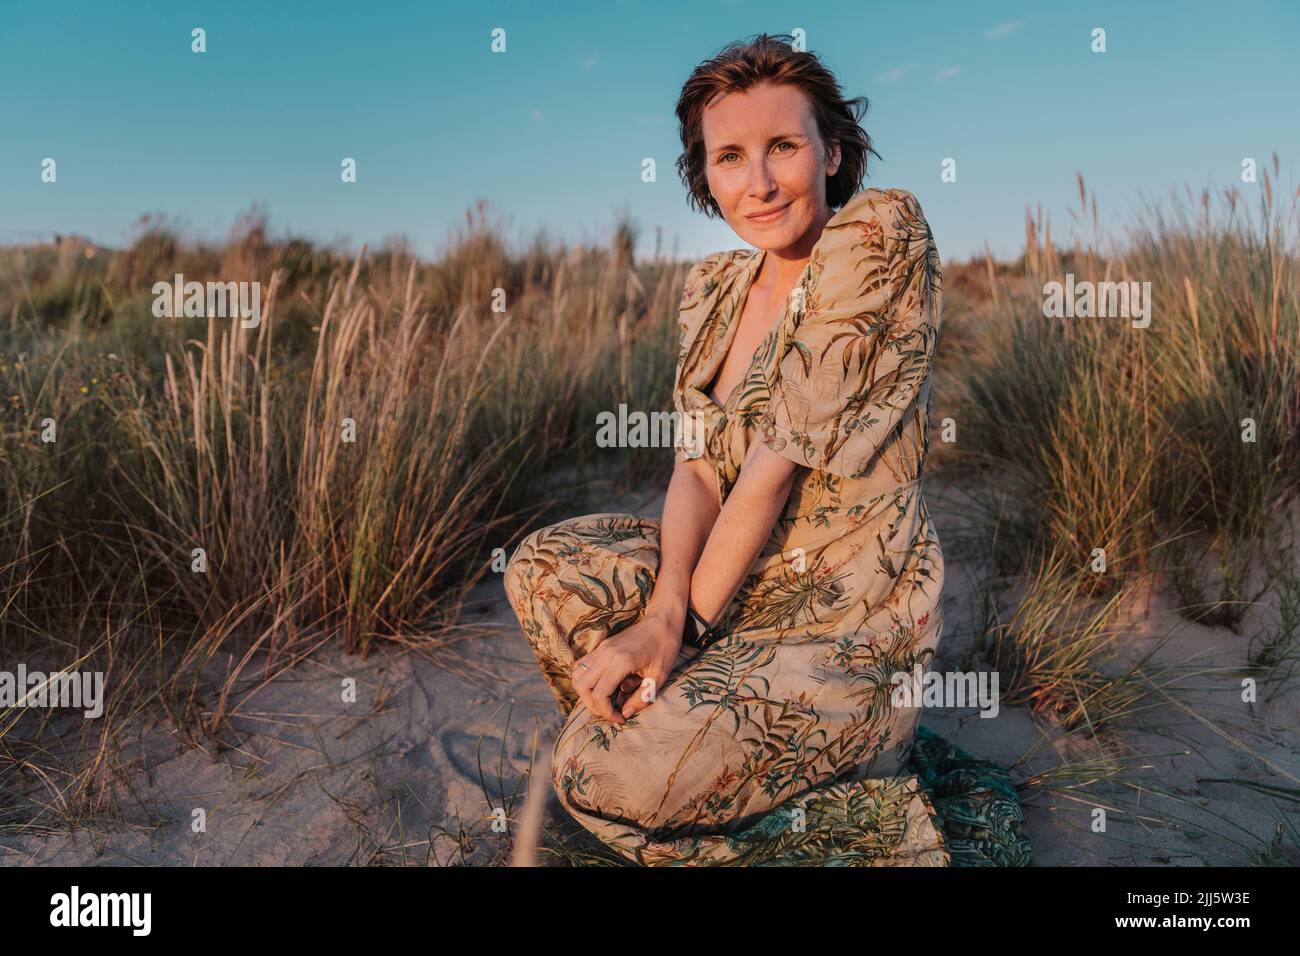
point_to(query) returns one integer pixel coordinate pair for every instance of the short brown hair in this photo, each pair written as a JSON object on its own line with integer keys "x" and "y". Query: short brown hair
{"x": 767, "y": 58}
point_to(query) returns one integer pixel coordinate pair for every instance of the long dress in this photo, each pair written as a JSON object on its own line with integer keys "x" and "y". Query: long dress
{"x": 781, "y": 743}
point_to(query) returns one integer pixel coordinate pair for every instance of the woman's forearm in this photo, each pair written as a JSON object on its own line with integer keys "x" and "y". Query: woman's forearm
{"x": 756, "y": 500}
{"x": 690, "y": 510}
{"x": 705, "y": 551}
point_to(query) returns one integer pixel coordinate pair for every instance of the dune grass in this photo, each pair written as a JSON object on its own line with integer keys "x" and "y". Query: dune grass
{"x": 351, "y": 467}
{"x": 1130, "y": 439}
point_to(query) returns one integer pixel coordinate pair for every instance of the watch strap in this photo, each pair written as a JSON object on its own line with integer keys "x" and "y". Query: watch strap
{"x": 697, "y": 632}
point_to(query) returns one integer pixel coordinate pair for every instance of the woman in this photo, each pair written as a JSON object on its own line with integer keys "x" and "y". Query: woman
{"x": 727, "y": 672}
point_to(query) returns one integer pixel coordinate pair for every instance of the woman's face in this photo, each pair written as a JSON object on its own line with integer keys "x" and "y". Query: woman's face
{"x": 763, "y": 154}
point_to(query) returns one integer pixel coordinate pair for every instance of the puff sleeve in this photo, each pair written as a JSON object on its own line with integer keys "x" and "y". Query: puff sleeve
{"x": 859, "y": 358}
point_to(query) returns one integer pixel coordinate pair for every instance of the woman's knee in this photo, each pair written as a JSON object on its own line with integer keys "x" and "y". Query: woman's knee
{"x": 520, "y": 562}
{"x": 591, "y": 779}
{"x": 598, "y": 771}
{"x": 513, "y": 575}
{"x": 570, "y": 530}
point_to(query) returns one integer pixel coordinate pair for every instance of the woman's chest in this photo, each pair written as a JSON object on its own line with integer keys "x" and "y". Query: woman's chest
{"x": 741, "y": 354}
{"x": 745, "y": 352}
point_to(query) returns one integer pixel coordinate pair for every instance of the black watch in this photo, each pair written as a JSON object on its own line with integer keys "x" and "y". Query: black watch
{"x": 696, "y": 631}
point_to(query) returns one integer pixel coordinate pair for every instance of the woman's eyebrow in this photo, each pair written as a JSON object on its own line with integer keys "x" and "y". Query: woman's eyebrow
{"x": 771, "y": 140}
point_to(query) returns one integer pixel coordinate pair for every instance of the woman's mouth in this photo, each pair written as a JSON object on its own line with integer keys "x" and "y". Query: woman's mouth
{"x": 770, "y": 216}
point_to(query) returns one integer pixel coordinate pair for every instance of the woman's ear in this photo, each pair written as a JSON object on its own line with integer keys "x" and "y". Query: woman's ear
{"x": 833, "y": 159}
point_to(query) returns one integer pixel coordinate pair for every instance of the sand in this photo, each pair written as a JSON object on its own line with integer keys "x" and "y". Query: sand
{"x": 436, "y": 749}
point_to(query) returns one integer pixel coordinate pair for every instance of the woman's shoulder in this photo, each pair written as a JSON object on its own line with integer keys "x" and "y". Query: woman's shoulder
{"x": 706, "y": 282}
{"x": 718, "y": 264}
{"x": 887, "y": 225}
{"x": 868, "y": 256}
{"x": 879, "y": 205}
{"x": 706, "y": 275}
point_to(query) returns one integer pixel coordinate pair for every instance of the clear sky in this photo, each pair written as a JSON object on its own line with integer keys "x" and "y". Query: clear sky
{"x": 552, "y": 133}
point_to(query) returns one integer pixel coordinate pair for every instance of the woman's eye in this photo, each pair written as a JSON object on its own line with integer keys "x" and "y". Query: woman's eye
{"x": 723, "y": 157}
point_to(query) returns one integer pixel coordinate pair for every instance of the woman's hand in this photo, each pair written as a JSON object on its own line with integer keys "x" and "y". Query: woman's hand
{"x": 623, "y": 674}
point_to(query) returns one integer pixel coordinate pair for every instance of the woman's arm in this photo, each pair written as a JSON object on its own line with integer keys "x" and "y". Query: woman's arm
{"x": 756, "y": 501}
{"x": 705, "y": 552}
{"x": 690, "y": 511}
{"x": 642, "y": 655}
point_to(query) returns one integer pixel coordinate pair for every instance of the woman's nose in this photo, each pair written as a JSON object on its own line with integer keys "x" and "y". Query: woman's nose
{"x": 760, "y": 179}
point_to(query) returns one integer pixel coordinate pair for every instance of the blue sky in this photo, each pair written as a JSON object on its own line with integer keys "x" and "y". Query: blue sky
{"x": 552, "y": 133}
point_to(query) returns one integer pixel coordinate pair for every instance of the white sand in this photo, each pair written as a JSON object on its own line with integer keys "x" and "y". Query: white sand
{"x": 308, "y": 779}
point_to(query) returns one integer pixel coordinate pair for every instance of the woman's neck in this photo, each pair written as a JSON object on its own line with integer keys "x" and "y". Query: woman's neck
{"x": 781, "y": 268}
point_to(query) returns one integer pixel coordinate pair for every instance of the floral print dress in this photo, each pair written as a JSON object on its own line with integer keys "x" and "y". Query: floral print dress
{"x": 779, "y": 743}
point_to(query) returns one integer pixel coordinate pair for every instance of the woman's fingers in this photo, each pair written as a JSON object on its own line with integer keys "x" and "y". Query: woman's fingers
{"x": 584, "y": 676}
{"x": 646, "y": 692}
{"x": 602, "y": 694}
{"x": 595, "y": 678}
{"x": 630, "y": 683}
{"x": 622, "y": 675}
{"x": 641, "y": 698}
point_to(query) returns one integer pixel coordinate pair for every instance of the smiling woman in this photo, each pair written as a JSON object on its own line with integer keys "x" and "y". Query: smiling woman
{"x": 728, "y": 672}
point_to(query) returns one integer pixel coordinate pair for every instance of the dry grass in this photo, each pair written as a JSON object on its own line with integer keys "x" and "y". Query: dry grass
{"x": 182, "y": 434}
{"x": 1129, "y": 439}
{"x": 349, "y": 467}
